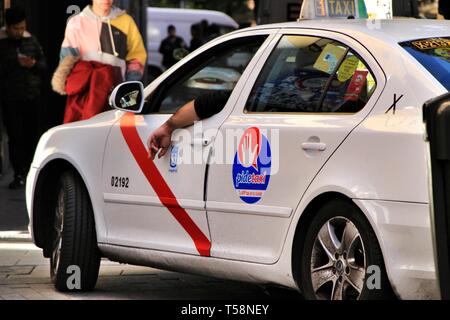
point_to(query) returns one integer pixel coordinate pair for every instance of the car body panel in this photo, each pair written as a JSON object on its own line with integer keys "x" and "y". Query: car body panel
{"x": 82, "y": 151}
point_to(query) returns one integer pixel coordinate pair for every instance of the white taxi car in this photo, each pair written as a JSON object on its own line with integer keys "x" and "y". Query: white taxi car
{"x": 334, "y": 200}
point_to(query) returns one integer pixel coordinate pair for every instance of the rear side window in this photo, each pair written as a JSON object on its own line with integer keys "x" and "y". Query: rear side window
{"x": 434, "y": 55}
{"x": 310, "y": 74}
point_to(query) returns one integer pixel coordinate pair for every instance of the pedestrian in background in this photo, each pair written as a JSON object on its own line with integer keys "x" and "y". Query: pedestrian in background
{"x": 102, "y": 47}
{"x": 197, "y": 39}
{"x": 22, "y": 65}
{"x": 169, "y": 45}
{"x": 213, "y": 32}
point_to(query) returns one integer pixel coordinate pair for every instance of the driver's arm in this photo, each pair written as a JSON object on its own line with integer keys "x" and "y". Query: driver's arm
{"x": 161, "y": 137}
{"x": 195, "y": 110}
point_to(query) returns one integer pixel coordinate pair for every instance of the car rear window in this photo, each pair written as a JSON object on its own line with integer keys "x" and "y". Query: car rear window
{"x": 434, "y": 55}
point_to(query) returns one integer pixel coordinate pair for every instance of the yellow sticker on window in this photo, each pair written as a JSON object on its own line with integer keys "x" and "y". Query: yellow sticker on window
{"x": 432, "y": 43}
{"x": 347, "y": 68}
{"x": 329, "y": 58}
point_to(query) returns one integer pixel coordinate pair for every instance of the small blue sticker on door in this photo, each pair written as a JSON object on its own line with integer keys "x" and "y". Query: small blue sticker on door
{"x": 174, "y": 159}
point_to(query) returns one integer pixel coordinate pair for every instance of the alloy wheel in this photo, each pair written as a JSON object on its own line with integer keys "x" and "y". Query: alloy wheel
{"x": 338, "y": 261}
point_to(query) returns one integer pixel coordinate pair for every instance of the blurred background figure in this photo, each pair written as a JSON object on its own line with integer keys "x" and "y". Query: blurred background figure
{"x": 213, "y": 32}
{"x": 197, "y": 39}
{"x": 428, "y": 9}
{"x": 22, "y": 65}
{"x": 204, "y": 24}
{"x": 169, "y": 45}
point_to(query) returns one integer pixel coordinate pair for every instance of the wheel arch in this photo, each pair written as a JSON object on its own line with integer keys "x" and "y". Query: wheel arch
{"x": 44, "y": 198}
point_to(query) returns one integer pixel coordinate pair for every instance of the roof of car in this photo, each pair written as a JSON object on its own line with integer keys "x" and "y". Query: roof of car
{"x": 398, "y": 30}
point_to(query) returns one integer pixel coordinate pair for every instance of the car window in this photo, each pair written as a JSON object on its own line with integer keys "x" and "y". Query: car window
{"x": 310, "y": 74}
{"x": 434, "y": 55}
{"x": 218, "y": 69}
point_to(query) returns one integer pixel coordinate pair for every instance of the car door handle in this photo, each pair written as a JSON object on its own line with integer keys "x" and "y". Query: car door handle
{"x": 314, "y": 146}
{"x": 200, "y": 142}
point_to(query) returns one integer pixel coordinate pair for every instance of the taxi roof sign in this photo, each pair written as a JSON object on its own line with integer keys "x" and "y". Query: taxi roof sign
{"x": 335, "y": 9}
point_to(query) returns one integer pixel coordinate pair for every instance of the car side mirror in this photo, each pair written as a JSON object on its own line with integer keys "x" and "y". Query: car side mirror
{"x": 128, "y": 96}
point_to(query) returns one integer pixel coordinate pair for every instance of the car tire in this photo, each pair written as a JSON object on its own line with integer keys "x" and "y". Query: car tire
{"x": 339, "y": 247}
{"x": 74, "y": 249}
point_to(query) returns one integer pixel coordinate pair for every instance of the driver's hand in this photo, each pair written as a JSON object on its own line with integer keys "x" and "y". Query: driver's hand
{"x": 160, "y": 139}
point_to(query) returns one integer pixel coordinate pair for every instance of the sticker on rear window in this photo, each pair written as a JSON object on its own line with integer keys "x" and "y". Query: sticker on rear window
{"x": 348, "y": 68}
{"x": 329, "y": 58}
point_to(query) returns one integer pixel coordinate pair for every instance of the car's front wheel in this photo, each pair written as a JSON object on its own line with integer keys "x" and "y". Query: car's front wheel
{"x": 75, "y": 258}
{"x": 341, "y": 258}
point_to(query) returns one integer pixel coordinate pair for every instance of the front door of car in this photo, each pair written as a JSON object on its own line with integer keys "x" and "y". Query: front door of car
{"x": 160, "y": 204}
{"x": 300, "y": 105}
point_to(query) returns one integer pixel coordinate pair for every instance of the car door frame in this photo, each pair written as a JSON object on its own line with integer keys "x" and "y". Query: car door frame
{"x": 216, "y": 121}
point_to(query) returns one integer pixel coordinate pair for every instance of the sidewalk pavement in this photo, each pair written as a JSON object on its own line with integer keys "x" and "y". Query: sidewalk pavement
{"x": 13, "y": 212}
{"x": 24, "y": 275}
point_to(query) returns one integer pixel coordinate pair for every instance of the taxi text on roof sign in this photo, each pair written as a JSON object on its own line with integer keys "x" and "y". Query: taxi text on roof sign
{"x": 320, "y": 9}
{"x": 335, "y": 8}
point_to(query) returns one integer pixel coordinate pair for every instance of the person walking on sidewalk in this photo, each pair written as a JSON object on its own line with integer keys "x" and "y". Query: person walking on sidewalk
{"x": 22, "y": 65}
{"x": 101, "y": 38}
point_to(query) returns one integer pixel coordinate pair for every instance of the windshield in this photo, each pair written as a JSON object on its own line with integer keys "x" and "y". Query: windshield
{"x": 434, "y": 55}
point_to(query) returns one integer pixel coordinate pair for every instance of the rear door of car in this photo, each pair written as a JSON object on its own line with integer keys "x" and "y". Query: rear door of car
{"x": 298, "y": 106}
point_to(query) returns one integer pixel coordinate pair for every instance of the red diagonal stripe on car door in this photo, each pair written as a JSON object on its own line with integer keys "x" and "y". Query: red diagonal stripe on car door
{"x": 156, "y": 180}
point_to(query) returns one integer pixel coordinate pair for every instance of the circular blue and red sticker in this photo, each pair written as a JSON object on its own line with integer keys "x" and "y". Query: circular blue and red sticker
{"x": 251, "y": 167}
